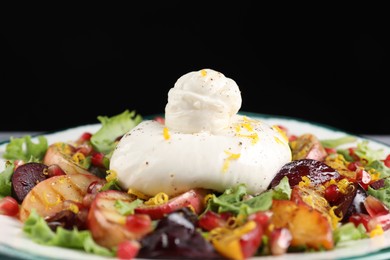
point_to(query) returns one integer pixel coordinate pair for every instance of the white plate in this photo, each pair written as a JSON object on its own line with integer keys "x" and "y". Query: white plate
{"x": 14, "y": 245}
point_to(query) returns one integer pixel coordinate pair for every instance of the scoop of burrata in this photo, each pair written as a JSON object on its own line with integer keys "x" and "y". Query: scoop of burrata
{"x": 204, "y": 143}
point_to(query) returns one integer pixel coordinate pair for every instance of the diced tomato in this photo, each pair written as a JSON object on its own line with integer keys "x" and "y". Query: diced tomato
{"x": 353, "y": 166}
{"x": 375, "y": 207}
{"x": 387, "y": 161}
{"x": 360, "y": 218}
{"x": 128, "y": 250}
{"x": 378, "y": 211}
{"x": 363, "y": 178}
{"x": 9, "y": 206}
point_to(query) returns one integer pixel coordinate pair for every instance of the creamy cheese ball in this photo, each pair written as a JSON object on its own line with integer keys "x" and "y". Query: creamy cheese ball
{"x": 204, "y": 143}
{"x": 202, "y": 100}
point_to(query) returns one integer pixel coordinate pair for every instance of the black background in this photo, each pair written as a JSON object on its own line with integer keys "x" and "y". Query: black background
{"x": 63, "y": 66}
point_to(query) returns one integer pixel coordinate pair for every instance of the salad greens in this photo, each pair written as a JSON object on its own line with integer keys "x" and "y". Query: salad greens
{"x": 5, "y": 180}
{"x": 38, "y": 230}
{"x": 112, "y": 127}
{"x": 25, "y": 149}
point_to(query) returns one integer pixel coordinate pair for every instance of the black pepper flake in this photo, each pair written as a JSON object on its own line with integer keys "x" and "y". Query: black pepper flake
{"x": 147, "y": 163}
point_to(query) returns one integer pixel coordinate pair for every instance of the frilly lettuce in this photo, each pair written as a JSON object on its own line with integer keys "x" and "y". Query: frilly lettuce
{"x": 37, "y": 229}
{"x": 5, "y": 180}
{"x": 112, "y": 128}
{"x": 25, "y": 149}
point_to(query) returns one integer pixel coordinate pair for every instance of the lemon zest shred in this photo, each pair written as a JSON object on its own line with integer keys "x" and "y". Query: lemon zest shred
{"x": 203, "y": 73}
{"x": 158, "y": 199}
{"x": 334, "y": 219}
{"x": 226, "y": 240}
{"x": 247, "y": 126}
{"x": 138, "y": 194}
{"x": 278, "y": 140}
{"x": 281, "y": 132}
{"x": 231, "y": 156}
{"x": 378, "y": 230}
{"x": 49, "y": 203}
{"x": 111, "y": 175}
{"x": 191, "y": 208}
{"x": 344, "y": 186}
{"x": 305, "y": 182}
{"x": 254, "y": 137}
{"x": 375, "y": 175}
{"x": 64, "y": 148}
{"x": 207, "y": 198}
{"x": 166, "y": 133}
{"x": 74, "y": 208}
{"x": 78, "y": 157}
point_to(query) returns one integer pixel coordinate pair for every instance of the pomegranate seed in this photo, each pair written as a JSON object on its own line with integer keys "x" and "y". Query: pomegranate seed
{"x": 387, "y": 161}
{"x": 9, "y": 206}
{"x": 210, "y": 220}
{"x": 138, "y": 223}
{"x": 160, "y": 119}
{"x": 54, "y": 170}
{"x": 353, "y": 166}
{"x": 280, "y": 240}
{"x": 97, "y": 159}
{"x": 332, "y": 193}
{"x": 330, "y": 150}
{"x": 128, "y": 249}
{"x": 84, "y": 137}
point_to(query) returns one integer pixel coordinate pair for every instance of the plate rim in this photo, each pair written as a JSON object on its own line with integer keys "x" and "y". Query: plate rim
{"x": 16, "y": 253}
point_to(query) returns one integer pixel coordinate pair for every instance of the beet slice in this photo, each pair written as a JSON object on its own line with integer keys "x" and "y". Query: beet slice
{"x": 318, "y": 172}
{"x": 25, "y": 177}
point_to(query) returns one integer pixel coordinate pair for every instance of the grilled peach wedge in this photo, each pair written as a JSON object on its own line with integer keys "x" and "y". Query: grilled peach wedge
{"x": 48, "y": 196}
{"x": 308, "y": 226}
{"x": 63, "y": 155}
{"x": 108, "y": 226}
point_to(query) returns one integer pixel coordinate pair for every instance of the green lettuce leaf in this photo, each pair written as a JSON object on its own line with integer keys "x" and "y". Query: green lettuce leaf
{"x": 37, "y": 229}
{"x": 333, "y": 143}
{"x": 282, "y": 191}
{"x": 379, "y": 166}
{"x": 5, "y": 180}
{"x": 25, "y": 149}
{"x": 127, "y": 208}
{"x": 234, "y": 199}
{"x": 349, "y": 232}
{"x": 112, "y": 128}
{"x": 364, "y": 151}
{"x": 383, "y": 194}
